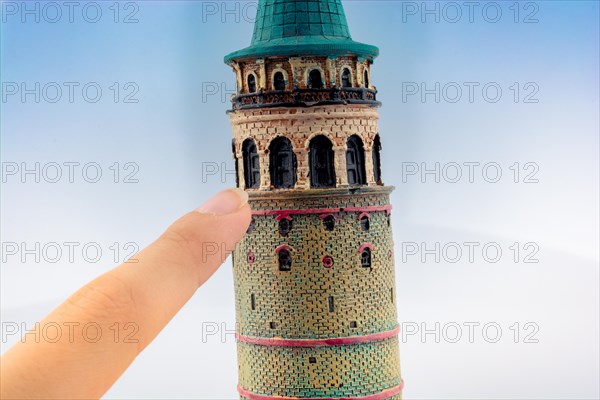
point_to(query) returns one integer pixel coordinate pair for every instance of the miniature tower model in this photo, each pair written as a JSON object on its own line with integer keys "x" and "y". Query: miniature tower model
{"x": 314, "y": 275}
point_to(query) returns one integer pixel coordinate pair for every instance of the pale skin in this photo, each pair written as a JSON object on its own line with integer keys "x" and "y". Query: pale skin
{"x": 148, "y": 293}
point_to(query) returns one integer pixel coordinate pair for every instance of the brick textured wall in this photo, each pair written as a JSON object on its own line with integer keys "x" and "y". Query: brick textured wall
{"x": 300, "y": 125}
{"x": 295, "y": 304}
{"x": 337, "y": 371}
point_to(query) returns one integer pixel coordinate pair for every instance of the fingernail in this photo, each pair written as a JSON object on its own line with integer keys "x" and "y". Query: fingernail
{"x": 225, "y": 202}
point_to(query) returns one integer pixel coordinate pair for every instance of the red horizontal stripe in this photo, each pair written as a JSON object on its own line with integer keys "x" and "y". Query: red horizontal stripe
{"x": 387, "y": 393}
{"x": 283, "y": 213}
{"x": 339, "y": 341}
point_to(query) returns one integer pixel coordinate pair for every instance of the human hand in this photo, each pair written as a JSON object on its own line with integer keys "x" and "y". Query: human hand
{"x": 149, "y": 293}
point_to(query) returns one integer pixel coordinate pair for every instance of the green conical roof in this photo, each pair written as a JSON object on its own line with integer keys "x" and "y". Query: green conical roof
{"x": 303, "y": 28}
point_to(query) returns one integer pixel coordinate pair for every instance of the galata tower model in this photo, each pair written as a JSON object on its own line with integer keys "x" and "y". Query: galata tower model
{"x": 314, "y": 275}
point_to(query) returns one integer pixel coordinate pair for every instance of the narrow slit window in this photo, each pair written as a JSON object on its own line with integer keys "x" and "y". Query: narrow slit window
{"x": 377, "y": 160}
{"x": 285, "y": 260}
{"x": 251, "y": 83}
{"x": 235, "y": 163}
{"x": 252, "y": 302}
{"x": 365, "y": 224}
{"x": 330, "y": 303}
{"x": 365, "y": 258}
{"x": 346, "y": 78}
{"x": 278, "y": 81}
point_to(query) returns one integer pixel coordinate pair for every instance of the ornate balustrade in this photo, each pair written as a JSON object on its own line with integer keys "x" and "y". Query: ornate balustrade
{"x": 301, "y": 97}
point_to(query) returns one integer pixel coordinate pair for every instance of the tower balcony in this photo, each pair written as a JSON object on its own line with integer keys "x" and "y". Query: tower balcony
{"x": 305, "y": 97}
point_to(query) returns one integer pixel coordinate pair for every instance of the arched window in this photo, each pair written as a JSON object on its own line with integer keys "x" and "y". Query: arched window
{"x": 377, "y": 160}
{"x": 365, "y": 258}
{"x": 366, "y": 78}
{"x": 365, "y": 224}
{"x": 285, "y": 260}
{"x": 282, "y": 163}
{"x": 251, "y": 83}
{"x": 346, "y": 78}
{"x": 278, "y": 81}
{"x": 251, "y": 164}
{"x": 355, "y": 161}
{"x": 314, "y": 79}
{"x": 322, "y": 173}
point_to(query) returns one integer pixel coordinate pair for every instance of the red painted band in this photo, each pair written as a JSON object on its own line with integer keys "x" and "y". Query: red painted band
{"x": 385, "y": 208}
{"x": 387, "y": 393}
{"x": 339, "y": 341}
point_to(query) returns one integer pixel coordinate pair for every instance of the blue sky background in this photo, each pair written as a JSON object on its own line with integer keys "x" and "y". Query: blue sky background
{"x": 174, "y": 55}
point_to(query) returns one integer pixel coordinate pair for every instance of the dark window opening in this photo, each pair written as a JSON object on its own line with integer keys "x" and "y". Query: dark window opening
{"x": 346, "y": 78}
{"x": 285, "y": 260}
{"x": 355, "y": 161}
{"x": 366, "y": 79}
{"x": 235, "y": 163}
{"x": 353, "y": 324}
{"x": 314, "y": 79}
{"x": 330, "y": 303}
{"x": 272, "y": 325}
{"x": 329, "y": 223}
{"x": 365, "y": 258}
{"x": 251, "y": 164}
{"x": 282, "y": 163}
{"x": 389, "y": 221}
{"x": 285, "y": 226}
{"x": 278, "y": 81}
{"x": 377, "y": 160}
{"x": 322, "y": 173}
{"x": 251, "y": 226}
{"x": 365, "y": 224}
{"x": 252, "y": 302}
{"x": 251, "y": 83}
{"x": 312, "y": 360}
{"x": 392, "y": 295}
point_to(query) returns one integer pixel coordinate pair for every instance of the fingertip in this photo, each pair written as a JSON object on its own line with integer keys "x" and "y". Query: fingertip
{"x": 225, "y": 202}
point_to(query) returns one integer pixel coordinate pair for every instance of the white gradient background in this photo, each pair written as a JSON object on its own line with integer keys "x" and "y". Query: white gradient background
{"x": 171, "y": 132}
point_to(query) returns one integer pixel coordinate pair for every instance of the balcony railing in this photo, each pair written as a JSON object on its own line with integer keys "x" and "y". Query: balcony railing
{"x": 301, "y": 97}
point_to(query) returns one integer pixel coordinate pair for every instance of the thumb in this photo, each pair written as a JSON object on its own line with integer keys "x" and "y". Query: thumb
{"x": 139, "y": 298}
